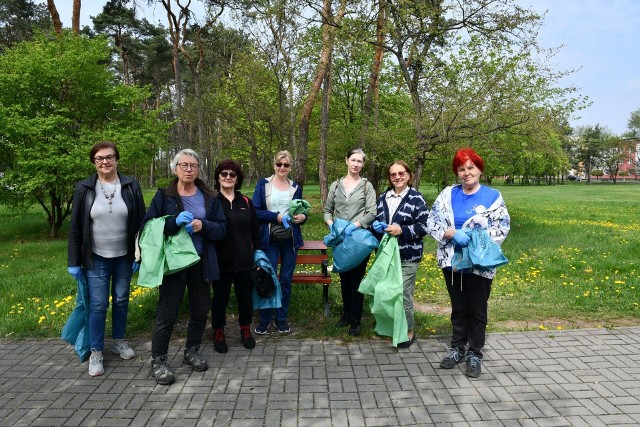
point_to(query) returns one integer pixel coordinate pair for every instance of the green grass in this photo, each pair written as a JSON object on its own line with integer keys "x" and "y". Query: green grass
{"x": 573, "y": 252}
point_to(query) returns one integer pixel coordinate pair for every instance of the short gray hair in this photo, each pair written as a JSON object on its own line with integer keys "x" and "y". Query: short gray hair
{"x": 185, "y": 151}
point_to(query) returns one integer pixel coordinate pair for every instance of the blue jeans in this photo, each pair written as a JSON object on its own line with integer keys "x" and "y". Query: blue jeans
{"x": 105, "y": 271}
{"x": 284, "y": 250}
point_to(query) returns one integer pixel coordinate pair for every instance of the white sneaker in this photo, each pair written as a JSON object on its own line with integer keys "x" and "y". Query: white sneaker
{"x": 122, "y": 348}
{"x": 95, "y": 364}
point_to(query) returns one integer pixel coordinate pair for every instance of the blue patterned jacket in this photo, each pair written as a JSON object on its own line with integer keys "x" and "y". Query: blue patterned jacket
{"x": 411, "y": 216}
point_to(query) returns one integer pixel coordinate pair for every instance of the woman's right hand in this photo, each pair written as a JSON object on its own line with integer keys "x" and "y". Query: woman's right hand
{"x": 184, "y": 218}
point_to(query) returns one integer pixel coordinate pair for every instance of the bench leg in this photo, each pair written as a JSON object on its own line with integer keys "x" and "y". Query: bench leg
{"x": 325, "y": 299}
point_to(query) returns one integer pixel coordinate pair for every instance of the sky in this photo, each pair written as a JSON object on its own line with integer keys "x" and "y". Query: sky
{"x": 599, "y": 38}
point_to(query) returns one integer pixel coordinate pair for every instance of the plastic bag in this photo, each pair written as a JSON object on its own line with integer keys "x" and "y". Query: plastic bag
{"x": 179, "y": 252}
{"x": 384, "y": 281}
{"x": 76, "y": 329}
{"x": 354, "y": 249}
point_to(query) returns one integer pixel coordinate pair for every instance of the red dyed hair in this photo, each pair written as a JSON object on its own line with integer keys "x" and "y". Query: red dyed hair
{"x": 464, "y": 154}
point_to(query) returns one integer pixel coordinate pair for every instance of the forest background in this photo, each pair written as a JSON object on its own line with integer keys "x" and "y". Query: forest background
{"x": 410, "y": 80}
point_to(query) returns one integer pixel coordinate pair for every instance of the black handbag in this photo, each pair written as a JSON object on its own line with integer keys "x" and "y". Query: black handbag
{"x": 278, "y": 232}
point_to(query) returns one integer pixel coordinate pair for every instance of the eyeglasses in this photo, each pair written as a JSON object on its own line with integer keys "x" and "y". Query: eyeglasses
{"x": 99, "y": 159}
{"x": 398, "y": 174}
{"x": 185, "y": 166}
{"x": 283, "y": 165}
{"x": 231, "y": 174}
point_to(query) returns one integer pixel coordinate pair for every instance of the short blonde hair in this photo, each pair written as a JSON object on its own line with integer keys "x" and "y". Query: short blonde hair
{"x": 281, "y": 154}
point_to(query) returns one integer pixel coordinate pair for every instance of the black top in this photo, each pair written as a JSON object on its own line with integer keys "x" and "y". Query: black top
{"x": 235, "y": 251}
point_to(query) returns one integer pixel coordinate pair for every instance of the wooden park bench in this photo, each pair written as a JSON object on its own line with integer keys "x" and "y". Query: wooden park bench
{"x": 314, "y": 253}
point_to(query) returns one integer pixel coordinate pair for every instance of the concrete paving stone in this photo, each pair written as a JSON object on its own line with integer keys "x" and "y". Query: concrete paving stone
{"x": 590, "y": 421}
{"x": 340, "y": 417}
{"x": 552, "y": 422}
{"x": 571, "y": 411}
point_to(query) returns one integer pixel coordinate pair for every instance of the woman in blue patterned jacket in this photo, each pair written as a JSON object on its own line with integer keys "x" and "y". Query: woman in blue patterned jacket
{"x": 403, "y": 212}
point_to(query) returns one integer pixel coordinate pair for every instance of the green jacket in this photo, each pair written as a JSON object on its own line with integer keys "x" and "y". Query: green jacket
{"x": 384, "y": 282}
{"x": 359, "y": 205}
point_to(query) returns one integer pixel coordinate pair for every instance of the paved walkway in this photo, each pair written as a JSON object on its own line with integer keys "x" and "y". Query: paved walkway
{"x": 546, "y": 378}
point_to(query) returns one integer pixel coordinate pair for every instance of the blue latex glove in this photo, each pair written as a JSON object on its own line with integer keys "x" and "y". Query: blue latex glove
{"x": 285, "y": 221}
{"x": 76, "y": 272}
{"x": 189, "y": 228}
{"x": 460, "y": 238}
{"x": 135, "y": 267}
{"x": 183, "y": 218}
{"x": 379, "y": 226}
{"x": 349, "y": 229}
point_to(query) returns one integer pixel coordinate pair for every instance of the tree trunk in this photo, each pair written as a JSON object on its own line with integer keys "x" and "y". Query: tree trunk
{"x": 55, "y": 16}
{"x": 324, "y": 133}
{"x": 329, "y": 24}
{"x": 75, "y": 17}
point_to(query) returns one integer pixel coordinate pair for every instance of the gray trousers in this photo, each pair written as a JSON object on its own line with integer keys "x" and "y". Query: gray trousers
{"x": 409, "y": 271}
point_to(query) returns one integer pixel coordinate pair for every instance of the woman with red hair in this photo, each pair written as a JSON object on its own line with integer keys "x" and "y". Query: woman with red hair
{"x": 467, "y": 205}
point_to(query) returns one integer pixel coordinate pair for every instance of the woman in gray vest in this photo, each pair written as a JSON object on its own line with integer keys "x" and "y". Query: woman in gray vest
{"x": 107, "y": 212}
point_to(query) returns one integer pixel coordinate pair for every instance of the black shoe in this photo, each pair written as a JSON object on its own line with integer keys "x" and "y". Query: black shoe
{"x": 452, "y": 358}
{"x": 407, "y": 344}
{"x": 246, "y": 338}
{"x": 195, "y": 359}
{"x": 344, "y": 321}
{"x": 474, "y": 365}
{"x": 354, "y": 330}
{"x": 283, "y": 327}
{"x": 160, "y": 370}
{"x": 219, "y": 341}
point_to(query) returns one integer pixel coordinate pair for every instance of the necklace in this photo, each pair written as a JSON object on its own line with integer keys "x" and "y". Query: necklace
{"x": 109, "y": 197}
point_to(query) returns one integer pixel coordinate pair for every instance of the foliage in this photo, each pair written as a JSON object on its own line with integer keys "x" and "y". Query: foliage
{"x": 57, "y": 98}
{"x": 20, "y": 19}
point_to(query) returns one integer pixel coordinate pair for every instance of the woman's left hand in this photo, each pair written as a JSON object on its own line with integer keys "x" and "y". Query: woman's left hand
{"x": 394, "y": 230}
{"x": 196, "y": 225}
{"x": 298, "y": 218}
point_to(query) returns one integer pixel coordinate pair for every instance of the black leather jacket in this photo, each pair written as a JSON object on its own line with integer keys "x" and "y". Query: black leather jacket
{"x": 80, "y": 252}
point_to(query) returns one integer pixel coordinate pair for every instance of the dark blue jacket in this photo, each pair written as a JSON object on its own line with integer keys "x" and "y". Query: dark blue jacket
{"x": 267, "y": 217}
{"x": 411, "y": 216}
{"x": 214, "y": 225}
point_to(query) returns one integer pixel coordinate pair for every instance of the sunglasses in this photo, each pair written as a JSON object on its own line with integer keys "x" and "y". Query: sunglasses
{"x": 225, "y": 174}
{"x": 283, "y": 165}
{"x": 398, "y": 174}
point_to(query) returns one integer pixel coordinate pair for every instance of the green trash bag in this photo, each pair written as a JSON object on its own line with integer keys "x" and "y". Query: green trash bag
{"x": 162, "y": 255}
{"x": 384, "y": 282}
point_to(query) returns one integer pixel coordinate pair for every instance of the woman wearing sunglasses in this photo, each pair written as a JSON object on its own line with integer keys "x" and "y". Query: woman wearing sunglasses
{"x": 280, "y": 233}
{"x": 402, "y": 212}
{"x": 235, "y": 255}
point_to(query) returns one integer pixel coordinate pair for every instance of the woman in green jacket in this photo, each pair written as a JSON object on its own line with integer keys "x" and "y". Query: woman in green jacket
{"x": 352, "y": 198}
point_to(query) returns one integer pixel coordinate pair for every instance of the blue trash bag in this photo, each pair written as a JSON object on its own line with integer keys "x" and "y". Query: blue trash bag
{"x": 482, "y": 252}
{"x": 485, "y": 254}
{"x": 76, "y": 330}
{"x": 334, "y": 238}
{"x": 354, "y": 249}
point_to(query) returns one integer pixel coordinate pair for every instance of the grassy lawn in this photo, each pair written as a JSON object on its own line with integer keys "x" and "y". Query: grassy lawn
{"x": 573, "y": 252}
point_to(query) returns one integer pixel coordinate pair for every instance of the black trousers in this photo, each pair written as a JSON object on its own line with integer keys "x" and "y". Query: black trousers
{"x": 171, "y": 295}
{"x": 469, "y": 294}
{"x": 243, "y": 287}
{"x": 352, "y": 300}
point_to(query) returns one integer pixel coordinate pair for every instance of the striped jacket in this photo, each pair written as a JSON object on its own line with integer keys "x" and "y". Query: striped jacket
{"x": 411, "y": 216}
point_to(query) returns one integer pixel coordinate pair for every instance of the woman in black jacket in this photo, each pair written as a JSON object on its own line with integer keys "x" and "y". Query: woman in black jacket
{"x": 107, "y": 211}
{"x": 189, "y": 202}
{"x": 235, "y": 255}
